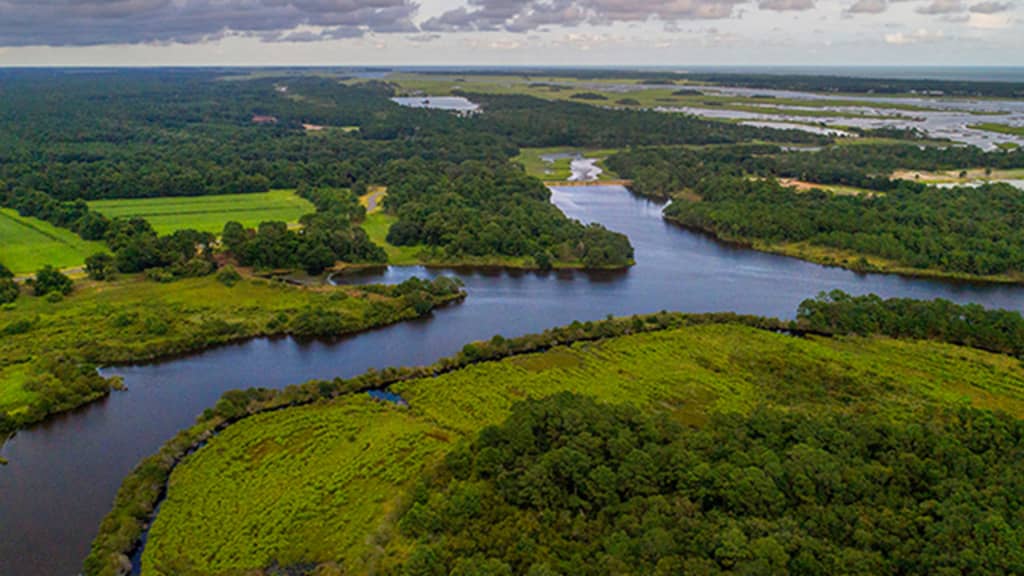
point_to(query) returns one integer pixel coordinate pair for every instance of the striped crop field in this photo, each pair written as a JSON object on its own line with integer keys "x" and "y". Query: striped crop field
{"x": 208, "y": 213}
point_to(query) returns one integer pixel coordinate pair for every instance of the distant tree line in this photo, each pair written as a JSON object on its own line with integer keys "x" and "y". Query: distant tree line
{"x": 836, "y": 312}
{"x": 967, "y": 230}
{"x": 661, "y": 172}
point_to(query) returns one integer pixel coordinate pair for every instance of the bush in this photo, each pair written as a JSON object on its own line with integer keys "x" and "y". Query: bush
{"x": 228, "y": 276}
{"x": 48, "y": 279}
{"x": 9, "y": 290}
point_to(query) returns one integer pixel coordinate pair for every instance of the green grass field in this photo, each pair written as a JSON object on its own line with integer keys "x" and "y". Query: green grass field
{"x": 323, "y": 483}
{"x": 999, "y": 128}
{"x": 209, "y": 213}
{"x": 377, "y": 225}
{"x": 27, "y": 244}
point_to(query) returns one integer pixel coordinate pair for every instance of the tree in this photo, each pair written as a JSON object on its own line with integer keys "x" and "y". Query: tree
{"x": 233, "y": 236}
{"x": 50, "y": 280}
{"x": 100, "y": 266}
{"x": 9, "y": 290}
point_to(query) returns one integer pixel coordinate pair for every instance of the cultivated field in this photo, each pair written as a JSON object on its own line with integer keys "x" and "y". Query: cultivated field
{"x": 209, "y": 213}
{"x": 26, "y": 244}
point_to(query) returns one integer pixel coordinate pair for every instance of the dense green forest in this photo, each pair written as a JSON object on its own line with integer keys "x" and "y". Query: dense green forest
{"x": 477, "y": 209}
{"x": 963, "y": 230}
{"x": 568, "y": 485}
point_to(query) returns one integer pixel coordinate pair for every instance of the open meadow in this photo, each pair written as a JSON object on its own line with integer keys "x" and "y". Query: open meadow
{"x": 27, "y": 244}
{"x": 209, "y": 213}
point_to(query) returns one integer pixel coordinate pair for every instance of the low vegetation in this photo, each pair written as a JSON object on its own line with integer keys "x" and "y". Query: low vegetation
{"x": 730, "y": 384}
{"x": 999, "y": 128}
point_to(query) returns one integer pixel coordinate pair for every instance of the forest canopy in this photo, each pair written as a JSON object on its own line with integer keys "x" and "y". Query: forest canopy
{"x": 570, "y": 486}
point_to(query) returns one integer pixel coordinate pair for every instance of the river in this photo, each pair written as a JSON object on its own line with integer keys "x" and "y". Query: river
{"x": 63, "y": 474}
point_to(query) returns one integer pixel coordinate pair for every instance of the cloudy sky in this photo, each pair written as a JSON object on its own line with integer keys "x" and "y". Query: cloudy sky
{"x": 511, "y": 32}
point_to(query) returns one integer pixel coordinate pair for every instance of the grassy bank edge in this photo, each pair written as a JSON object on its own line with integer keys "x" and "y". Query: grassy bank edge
{"x": 142, "y": 490}
{"x": 175, "y": 348}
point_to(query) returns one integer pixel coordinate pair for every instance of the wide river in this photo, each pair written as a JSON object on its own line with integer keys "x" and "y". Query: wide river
{"x": 63, "y": 474}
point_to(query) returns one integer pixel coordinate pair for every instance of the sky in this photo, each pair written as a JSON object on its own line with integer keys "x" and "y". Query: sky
{"x": 511, "y": 32}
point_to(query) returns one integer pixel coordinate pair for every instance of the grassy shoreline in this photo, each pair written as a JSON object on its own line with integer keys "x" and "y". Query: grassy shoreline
{"x": 691, "y": 366}
{"x": 48, "y": 362}
{"x": 143, "y": 489}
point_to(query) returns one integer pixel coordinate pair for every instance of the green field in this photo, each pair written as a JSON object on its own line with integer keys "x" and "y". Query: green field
{"x": 209, "y": 213}
{"x": 377, "y": 225}
{"x": 324, "y": 483}
{"x": 999, "y": 128}
{"x": 27, "y": 244}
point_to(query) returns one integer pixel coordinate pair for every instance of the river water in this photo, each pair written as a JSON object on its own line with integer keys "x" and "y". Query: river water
{"x": 63, "y": 474}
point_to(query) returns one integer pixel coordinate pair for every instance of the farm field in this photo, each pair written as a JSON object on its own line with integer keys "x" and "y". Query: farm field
{"x": 324, "y": 483}
{"x": 27, "y": 244}
{"x": 209, "y": 213}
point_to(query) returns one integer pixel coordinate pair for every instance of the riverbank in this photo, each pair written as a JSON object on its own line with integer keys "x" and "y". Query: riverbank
{"x": 730, "y": 365}
{"x": 142, "y": 490}
{"x": 50, "y": 351}
{"x": 848, "y": 260}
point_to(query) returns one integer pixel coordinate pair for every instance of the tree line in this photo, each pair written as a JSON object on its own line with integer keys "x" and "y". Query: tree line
{"x": 837, "y": 312}
{"x": 964, "y": 230}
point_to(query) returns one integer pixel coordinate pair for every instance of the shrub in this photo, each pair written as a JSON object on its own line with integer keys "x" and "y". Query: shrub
{"x": 48, "y": 279}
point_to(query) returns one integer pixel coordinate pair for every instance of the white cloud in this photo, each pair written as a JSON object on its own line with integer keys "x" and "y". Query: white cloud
{"x": 989, "y": 21}
{"x": 921, "y": 35}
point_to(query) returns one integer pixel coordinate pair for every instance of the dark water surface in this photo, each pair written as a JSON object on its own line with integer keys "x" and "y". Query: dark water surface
{"x": 63, "y": 475}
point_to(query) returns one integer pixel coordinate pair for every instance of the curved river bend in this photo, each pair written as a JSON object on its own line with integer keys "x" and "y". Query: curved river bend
{"x": 63, "y": 474}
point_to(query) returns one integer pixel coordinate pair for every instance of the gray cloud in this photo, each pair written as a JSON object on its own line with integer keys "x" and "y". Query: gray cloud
{"x": 868, "y": 7}
{"x": 89, "y": 22}
{"x": 942, "y": 7}
{"x": 525, "y": 15}
{"x": 991, "y": 7}
{"x": 785, "y": 5}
